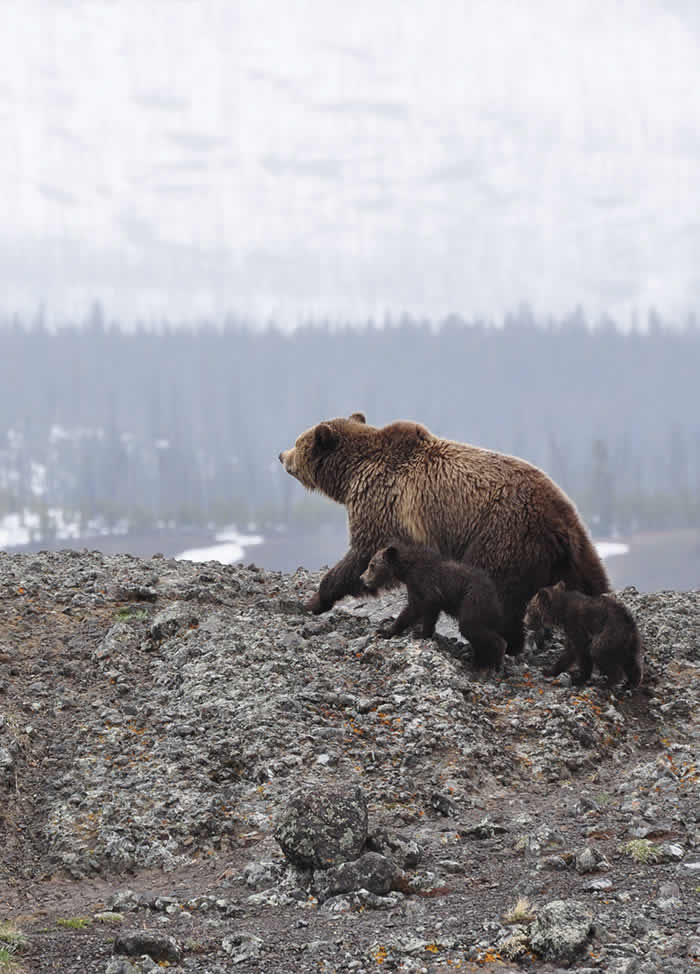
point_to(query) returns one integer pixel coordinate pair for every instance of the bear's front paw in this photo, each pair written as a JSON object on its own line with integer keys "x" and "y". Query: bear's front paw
{"x": 314, "y": 604}
{"x": 386, "y": 630}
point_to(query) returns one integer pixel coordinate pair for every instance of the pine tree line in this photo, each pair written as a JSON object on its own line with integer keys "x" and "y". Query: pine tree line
{"x": 185, "y": 423}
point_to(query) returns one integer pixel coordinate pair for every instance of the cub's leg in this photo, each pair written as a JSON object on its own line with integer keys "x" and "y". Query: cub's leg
{"x": 407, "y": 617}
{"x": 565, "y": 661}
{"x": 585, "y": 664}
{"x": 430, "y": 618}
{"x": 481, "y": 622}
{"x": 489, "y": 648}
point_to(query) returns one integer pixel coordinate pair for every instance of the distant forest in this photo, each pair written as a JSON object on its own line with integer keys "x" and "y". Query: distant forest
{"x": 184, "y": 424}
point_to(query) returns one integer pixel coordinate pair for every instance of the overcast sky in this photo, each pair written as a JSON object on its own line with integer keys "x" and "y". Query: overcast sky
{"x": 293, "y": 157}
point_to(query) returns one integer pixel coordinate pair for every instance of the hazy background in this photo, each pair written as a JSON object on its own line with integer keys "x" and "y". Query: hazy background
{"x": 289, "y": 157}
{"x": 223, "y": 222}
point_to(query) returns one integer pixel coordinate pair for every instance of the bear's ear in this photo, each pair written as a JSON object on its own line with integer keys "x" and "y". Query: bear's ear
{"x": 358, "y": 418}
{"x": 325, "y": 438}
{"x": 391, "y": 554}
{"x": 560, "y": 586}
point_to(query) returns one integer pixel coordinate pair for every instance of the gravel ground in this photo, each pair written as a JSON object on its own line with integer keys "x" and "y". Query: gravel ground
{"x": 160, "y": 722}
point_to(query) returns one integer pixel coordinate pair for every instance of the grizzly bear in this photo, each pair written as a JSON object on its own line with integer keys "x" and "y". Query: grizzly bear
{"x": 496, "y": 512}
{"x": 599, "y": 630}
{"x": 437, "y": 584}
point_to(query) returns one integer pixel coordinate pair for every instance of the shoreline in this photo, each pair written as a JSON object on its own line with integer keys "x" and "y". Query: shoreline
{"x": 649, "y": 561}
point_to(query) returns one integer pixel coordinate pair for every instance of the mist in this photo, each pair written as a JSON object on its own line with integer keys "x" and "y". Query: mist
{"x": 224, "y": 222}
{"x": 287, "y": 160}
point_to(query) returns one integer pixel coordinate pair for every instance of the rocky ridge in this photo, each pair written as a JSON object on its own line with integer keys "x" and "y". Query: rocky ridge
{"x": 168, "y": 730}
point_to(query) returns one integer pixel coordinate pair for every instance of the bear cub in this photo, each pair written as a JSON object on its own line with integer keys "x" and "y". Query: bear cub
{"x": 599, "y": 630}
{"x": 434, "y": 585}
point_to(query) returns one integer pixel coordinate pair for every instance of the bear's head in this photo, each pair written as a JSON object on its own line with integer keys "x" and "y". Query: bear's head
{"x": 538, "y": 613}
{"x": 381, "y": 571}
{"x": 318, "y": 457}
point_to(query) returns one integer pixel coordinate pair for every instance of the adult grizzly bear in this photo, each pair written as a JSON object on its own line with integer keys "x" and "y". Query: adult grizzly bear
{"x": 438, "y": 585}
{"x": 598, "y": 629}
{"x": 494, "y": 511}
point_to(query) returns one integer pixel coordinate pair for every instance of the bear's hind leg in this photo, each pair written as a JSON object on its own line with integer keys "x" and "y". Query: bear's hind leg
{"x": 514, "y": 632}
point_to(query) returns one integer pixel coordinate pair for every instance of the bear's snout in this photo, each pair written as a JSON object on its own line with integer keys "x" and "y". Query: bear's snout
{"x": 287, "y": 461}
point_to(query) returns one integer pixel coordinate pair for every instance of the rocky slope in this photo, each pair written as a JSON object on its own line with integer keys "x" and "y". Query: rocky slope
{"x": 167, "y": 729}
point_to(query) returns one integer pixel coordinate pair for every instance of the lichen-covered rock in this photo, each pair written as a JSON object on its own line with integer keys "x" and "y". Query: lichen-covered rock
{"x": 158, "y": 946}
{"x": 319, "y": 830}
{"x": 561, "y": 930}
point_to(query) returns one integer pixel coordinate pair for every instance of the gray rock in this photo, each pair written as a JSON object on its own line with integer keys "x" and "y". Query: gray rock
{"x": 257, "y": 874}
{"x": 242, "y": 947}
{"x": 671, "y": 852}
{"x": 561, "y": 930}
{"x": 485, "y": 829}
{"x": 7, "y": 762}
{"x": 319, "y": 830}
{"x": 119, "y": 966}
{"x": 171, "y": 620}
{"x": 406, "y": 853}
{"x": 555, "y": 863}
{"x": 371, "y": 871}
{"x": 589, "y": 860}
{"x": 116, "y": 641}
{"x": 598, "y": 885}
{"x": 158, "y": 946}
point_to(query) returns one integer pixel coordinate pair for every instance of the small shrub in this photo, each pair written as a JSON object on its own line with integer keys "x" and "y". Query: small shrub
{"x": 642, "y": 850}
{"x": 11, "y": 940}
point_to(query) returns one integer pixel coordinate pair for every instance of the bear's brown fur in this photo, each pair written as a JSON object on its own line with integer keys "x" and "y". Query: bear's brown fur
{"x": 494, "y": 511}
{"x": 437, "y": 585}
{"x": 599, "y": 630}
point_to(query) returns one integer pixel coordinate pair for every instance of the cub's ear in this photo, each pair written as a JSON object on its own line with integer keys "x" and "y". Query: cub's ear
{"x": 325, "y": 438}
{"x": 391, "y": 554}
{"x": 560, "y": 586}
{"x": 358, "y": 418}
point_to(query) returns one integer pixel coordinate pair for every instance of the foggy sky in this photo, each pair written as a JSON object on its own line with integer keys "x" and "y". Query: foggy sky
{"x": 294, "y": 157}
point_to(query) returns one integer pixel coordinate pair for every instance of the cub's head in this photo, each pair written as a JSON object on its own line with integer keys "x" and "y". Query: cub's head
{"x": 381, "y": 571}
{"x": 538, "y": 613}
{"x": 308, "y": 459}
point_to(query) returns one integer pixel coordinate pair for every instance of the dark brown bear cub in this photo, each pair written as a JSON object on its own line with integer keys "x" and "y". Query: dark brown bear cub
{"x": 598, "y": 629}
{"x": 437, "y": 585}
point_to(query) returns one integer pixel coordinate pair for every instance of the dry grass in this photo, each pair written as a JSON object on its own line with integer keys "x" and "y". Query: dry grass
{"x": 522, "y": 912}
